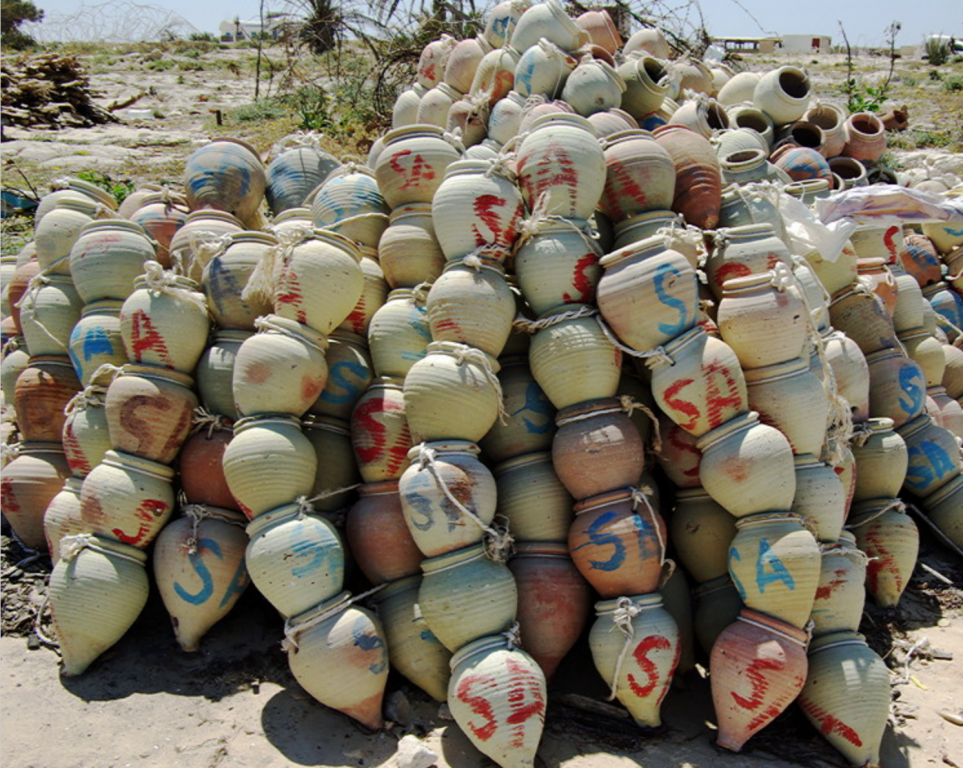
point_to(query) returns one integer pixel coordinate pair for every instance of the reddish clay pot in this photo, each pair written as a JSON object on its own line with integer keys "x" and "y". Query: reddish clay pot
{"x": 679, "y": 459}
{"x": 379, "y": 432}
{"x": 29, "y": 484}
{"x": 150, "y": 411}
{"x": 639, "y": 176}
{"x": 43, "y": 390}
{"x": 618, "y": 544}
{"x": 890, "y": 539}
{"x": 758, "y": 666}
{"x": 698, "y": 185}
{"x": 554, "y": 601}
{"x": 378, "y": 537}
{"x": 597, "y": 448}
{"x": 17, "y": 287}
{"x": 201, "y": 469}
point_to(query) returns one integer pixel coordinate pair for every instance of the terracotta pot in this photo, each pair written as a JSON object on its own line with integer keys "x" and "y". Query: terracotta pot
{"x": 226, "y": 175}
{"x": 494, "y": 77}
{"x": 758, "y": 666}
{"x": 890, "y": 539}
{"x": 831, "y": 119}
{"x": 350, "y": 372}
{"x": 783, "y": 94}
{"x": 497, "y": 696}
{"x": 698, "y": 185}
{"x": 943, "y": 510}
{"x": 597, "y": 448}
{"x": 950, "y": 410}
{"x": 920, "y": 259}
{"x": 701, "y": 531}
{"x": 215, "y": 372}
{"x": 465, "y": 596}
{"x": 350, "y": 203}
{"x": 639, "y": 659}
{"x": 802, "y": 164}
{"x": 947, "y": 303}
{"x": 842, "y": 587}
{"x": 703, "y": 387}
{"x": 820, "y": 499}
{"x": 881, "y": 461}
{"x": 378, "y": 536}
{"x": 412, "y": 166}
{"x": 337, "y": 653}
{"x": 774, "y": 563}
{"x": 97, "y": 591}
{"x": 225, "y": 276}
{"x": 200, "y": 571}
{"x": 645, "y": 85}
{"x": 409, "y": 251}
{"x": 106, "y": 258}
{"x": 43, "y": 390}
{"x": 550, "y": 21}
{"x": 17, "y": 287}
{"x": 593, "y": 86}
{"x": 679, "y": 459}
{"x": 96, "y": 340}
{"x": 865, "y": 137}
{"x": 49, "y": 310}
{"x": 338, "y": 475}
{"x": 618, "y": 544}
{"x": 268, "y": 463}
{"x": 933, "y": 453}
{"x": 530, "y": 426}
{"x": 717, "y": 605}
{"x": 742, "y": 251}
{"x": 862, "y": 317}
{"x": 847, "y": 695}
{"x": 30, "y": 482}
{"x": 161, "y": 215}
{"x": 379, "y": 432}
{"x": 412, "y": 648}
{"x": 195, "y": 242}
{"x": 440, "y": 472}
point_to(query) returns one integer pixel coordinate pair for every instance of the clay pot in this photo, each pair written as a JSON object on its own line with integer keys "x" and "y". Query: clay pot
{"x": 433, "y": 110}
{"x": 550, "y": 21}
{"x": 748, "y": 166}
{"x": 351, "y": 204}
{"x": 295, "y": 560}
{"x": 493, "y": 79}
{"x": 553, "y": 601}
{"x": 196, "y": 241}
{"x": 648, "y": 294}
{"x": 49, "y": 310}
{"x": 613, "y": 121}
{"x": 199, "y": 569}
{"x": 292, "y": 175}
{"x": 96, "y": 339}
{"x": 842, "y": 587}
{"x": 86, "y": 437}
{"x": 62, "y": 517}
{"x": 679, "y": 459}
{"x": 851, "y": 373}
{"x": 337, "y": 653}
{"x": 452, "y": 393}
{"x": 927, "y": 352}
{"x": 77, "y": 189}
{"x": 572, "y": 360}
{"x": 651, "y": 40}
{"x": 881, "y": 461}
{"x": 226, "y": 175}
{"x": 593, "y": 86}
{"x": 793, "y": 400}
{"x": 533, "y": 499}
{"x": 597, "y": 448}
{"x": 30, "y": 482}
{"x": 201, "y": 470}
{"x": 497, "y": 696}
{"x": 739, "y": 88}
{"x": 802, "y": 164}
{"x": 434, "y": 58}
{"x": 783, "y": 94}
{"x": 865, "y": 137}
{"x": 379, "y": 432}
{"x": 639, "y": 659}
{"x": 58, "y": 230}
{"x": 943, "y": 507}
{"x": 409, "y": 251}
{"x": 399, "y": 334}
{"x": 699, "y": 384}
{"x": 97, "y": 590}
{"x": 17, "y": 287}
{"x": 717, "y": 605}
{"x": 745, "y": 250}
{"x": 42, "y": 392}
{"x": 890, "y": 539}
{"x": 920, "y": 259}
{"x": 225, "y": 276}
{"x": 438, "y": 473}
{"x": 831, "y": 119}
{"x": 645, "y": 85}
{"x": 215, "y": 372}
{"x": 698, "y": 185}
{"x": 530, "y": 426}
{"x": 862, "y": 317}
{"x": 337, "y": 475}
{"x": 897, "y": 387}
{"x": 618, "y": 544}
{"x": 268, "y": 463}
{"x": 164, "y": 322}
{"x": 947, "y": 303}
{"x": 374, "y": 292}
{"x": 933, "y": 453}
{"x": 950, "y": 410}
{"x": 821, "y": 499}
{"x": 378, "y": 537}
{"x": 757, "y": 667}
{"x": 701, "y": 531}
{"x": 465, "y": 596}
{"x": 412, "y": 166}
{"x": 774, "y": 563}
{"x": 14, "y": 360}
{"x": 763, "y": 318}
{"x": 506, "y": 117}
{"x": 161, "y": 215}
{"x": 412, "y": 648}
{"x": 106, "y": 258}
{"x": 847, "y": 695}
{"x": 350, "y": 372}
{"x": 601, "y": 29}
{"x": 747, "y": 466}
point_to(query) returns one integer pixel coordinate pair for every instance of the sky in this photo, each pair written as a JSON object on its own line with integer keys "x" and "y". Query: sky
{"x": 865, "y": 21}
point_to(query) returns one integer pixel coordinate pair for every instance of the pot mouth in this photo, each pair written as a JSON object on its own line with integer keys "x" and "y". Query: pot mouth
{"x": 836, "y": 640}
{"x": 866, "y": 124}
{"x": 445, "y": 447}
{"x": 794, "y": 83}
{"x": 99, "y": 224}
{"x": 130, "y": 463}
{"x": 453, "y": 559}
{"x": 267, "y": 420}
{"x": 156, "y": 373}
{"x": 645, "y": 602}
{"x": 765, "y": 518}
{"x": 523, "y": 461}
{"x": 327, "y": 424}
{"x": 456, "y": 348}
{"x": 602, "y": 500}
{"x": 642, "y": 249}
{"x": 588, "y": 409}
{"x": 276, "y": 516}
{"x": 482, "y": 645}
{"x": 741, "y": 423}
{"x": 776, "y": 372}
{"x": 782, "y": 629}
{"x": 563, "y": 118}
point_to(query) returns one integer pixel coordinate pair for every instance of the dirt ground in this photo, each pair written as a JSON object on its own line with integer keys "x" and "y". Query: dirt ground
{"x": 234, "y": 703}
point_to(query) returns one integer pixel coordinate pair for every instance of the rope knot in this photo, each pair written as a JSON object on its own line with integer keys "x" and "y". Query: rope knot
{"x": 513, "y": 636}
{"x": 781, "y": 277}
{"x": 212, "y": 421}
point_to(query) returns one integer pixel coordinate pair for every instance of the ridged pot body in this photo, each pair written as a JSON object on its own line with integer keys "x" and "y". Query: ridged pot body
{"x": 553, "y": 601}
{"x": 342, "y": 661}
{"x": 927, "y": 352}
{"x": 48, "y": 314}
{"x": 561, "y": 163}
{"x": 451, "y": 394}
{"x": 405, "y": 109}
{"x": 127, "y": 498}
{"x": 649, "y": 653}
{"x": 495, "y": 75}
{"x": 680, "y": 459}
{"x": 30, "y": 483}
{"x": 107, "y": 257}
{"x": 295, "y": 561}
{"x": 698, "y": 177}
{"x": 167, "y": 329}
{"x": 226, "y": 175}
{"x": 613, "y": 121}
{"x": 573, "y": 361}
{"x": 473, "y": 306}
{"x": 793, "y": 400}
{"x": 86, "y": 438}
{"x": 380, "y": 435}
{"x": 378, "y": 537}
{"x": 943, "y": 509}
{"x": 437, "y": 524}
{"x": 897, "y": 388}
{"x": 891, "y": 541}
{"x": 409, "y": 251}
{"x": 597, "y": 448}
{"x": 639, "y": 176}
{"x": 433, "y": 110}
{"x": 704, "y": 387}
{"x": 933, "y": 454}
{"x": 862, "y": 317}
{"x": 201, "y": 469}
{"x": 350, "y": 372}
{"x": 42, "y": 392}
{"x": 463, "y": 62}
{"x": 434, "y": 57}
{"x": 644, "y": 91}
{"x": 783, "y": 94}
{"x": 215, "y": 372}
{"x": 745, "y": 250}
{"x": 96, "y": 594}
{"x": 199, "y": 228}
{"x": 399, "y": 334}
{"x": 465, "y": 596}
{"x": 62, "y": 517}
{"x": 617, "y": 544}
{"x": 820, "y": 499}
{"x": 593, "y": 86}
{"x": 849, "y": 367}
{"x": 747, "y": 466}
{"x": 841, "y": 594}
{"x": 865, "y": 137}
{"x": 881, "y": 462}
{"x": 350, "y": 203}
{"x": 161, "y": 218}
{"x": 58, "y": 230}
{"x": 550, "y": 21}
{"x": 280, "y": 370}
{"x": 774, "y": 563}
{"x": 226, "y": 275}
{"x": 758, "y": 666}
{"x": 412, "y": 166}
{"x": 533, "y": 499}
{"x": 292, "y": 175}
{"x": 268, "y": 464}
{"x": 506, "y": 117}
{"x": 497, "y": 697}
{"x": 701, "y": 531}
{"x": 150, "y": 412}
{"x": 847, "y": 695}
{"x": 200, "y": 572}
{"x": 96, "y": 339}
{"x": 530, "y": 425}
{"x": 337, "y": 469}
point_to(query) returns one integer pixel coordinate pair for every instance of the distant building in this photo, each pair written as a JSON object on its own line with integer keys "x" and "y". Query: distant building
{"x": 807, "y": 43}
{"x": 749, "y": 44}
{"x": 275, "y": 25}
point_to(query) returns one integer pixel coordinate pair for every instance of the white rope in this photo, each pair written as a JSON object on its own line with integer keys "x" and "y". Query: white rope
{"x": 498, "y": 544}
{"x": 8, "y": 452}
{"x": 541, "y": 215}
{"x": 466, "y": 354}
{"x": 260, "y": 285}
{"x": 642, "y": 495}
{"x": 92, "y": 396}
{"x": 212, "y": 421}
{"x": 679, "y": 236}
{"x": 72, "y": 546}
{"x": 513, "y": 636}
{"x": 12, "y": 345}
{"x": 501, "y": 166}
{"x": 624, "y": 612}
{"x": 306, "y": 505}
{"x": 160, "y": 280}
{"x": 454, "y": 138}
{"x": 630, "y": 404}
{"x": 531, "y": 326}
{"x": 198, "y": 512}
{"x": 781, "y": 277}
{"x": 894, "y": 504}
{"x": 265, "y": 324}
{"x": 292, "y": 631}
{"x": 654, "y": 358}
{"x": 861, "y": 433}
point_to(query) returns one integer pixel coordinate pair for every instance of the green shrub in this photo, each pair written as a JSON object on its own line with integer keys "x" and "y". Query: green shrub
{"x": 937, "y": 51}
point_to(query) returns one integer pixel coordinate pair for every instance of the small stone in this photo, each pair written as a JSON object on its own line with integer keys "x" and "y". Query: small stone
{"x": 444, "y": 713}
{"x": 398, "y": 708}
{"x": 943, "y": 623}
{"x": 412, "y": 753}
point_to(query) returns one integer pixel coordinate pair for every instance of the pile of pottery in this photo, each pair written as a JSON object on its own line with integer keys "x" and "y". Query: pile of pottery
{"x": 529, "y": 357}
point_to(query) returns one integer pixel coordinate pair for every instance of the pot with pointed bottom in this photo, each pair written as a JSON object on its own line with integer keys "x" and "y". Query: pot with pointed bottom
{"x": 890, "y": 539}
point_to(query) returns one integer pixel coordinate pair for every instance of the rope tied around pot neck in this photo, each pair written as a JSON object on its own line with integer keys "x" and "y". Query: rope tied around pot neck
{"x": 197, "y": 512}
{"x": 260, "y": 285}
{"x": 454, "y": 138}
{"x": 501, "y": 166}
{"x": 299, "y": 140}
{"x": 8, "y": 452}
{"x": 625, "y": 612}
{"x": 265, "y": 324}
{"x": 861, "y": 434}
{"x": 782, "y": 278}
{"x": 541, "y": 214}
{"x": 897, "y": 505}
{"x": 641, "y": 496}
{"x": 213, "y": 422}
{"x": 160, "y": 280}
{"x": 498, "y": 543}
{"x": 532, "y": 326}
{"x": 513, "y": 636}
{"x": 470, "y": 355}
{"x": 654, "y": 358}
{"x": 306, "y": 504}
{"x": 292, "y": 630}
{"x": 630, "y": 404}
{"x": 94, "y": 394}
{"x": 72, "y": 546}
{"x": 678, "y": 236}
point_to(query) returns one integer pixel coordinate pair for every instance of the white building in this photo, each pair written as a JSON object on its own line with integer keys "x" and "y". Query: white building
{"x": 239, "y": 29}
{"x": 807, "y": 43}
